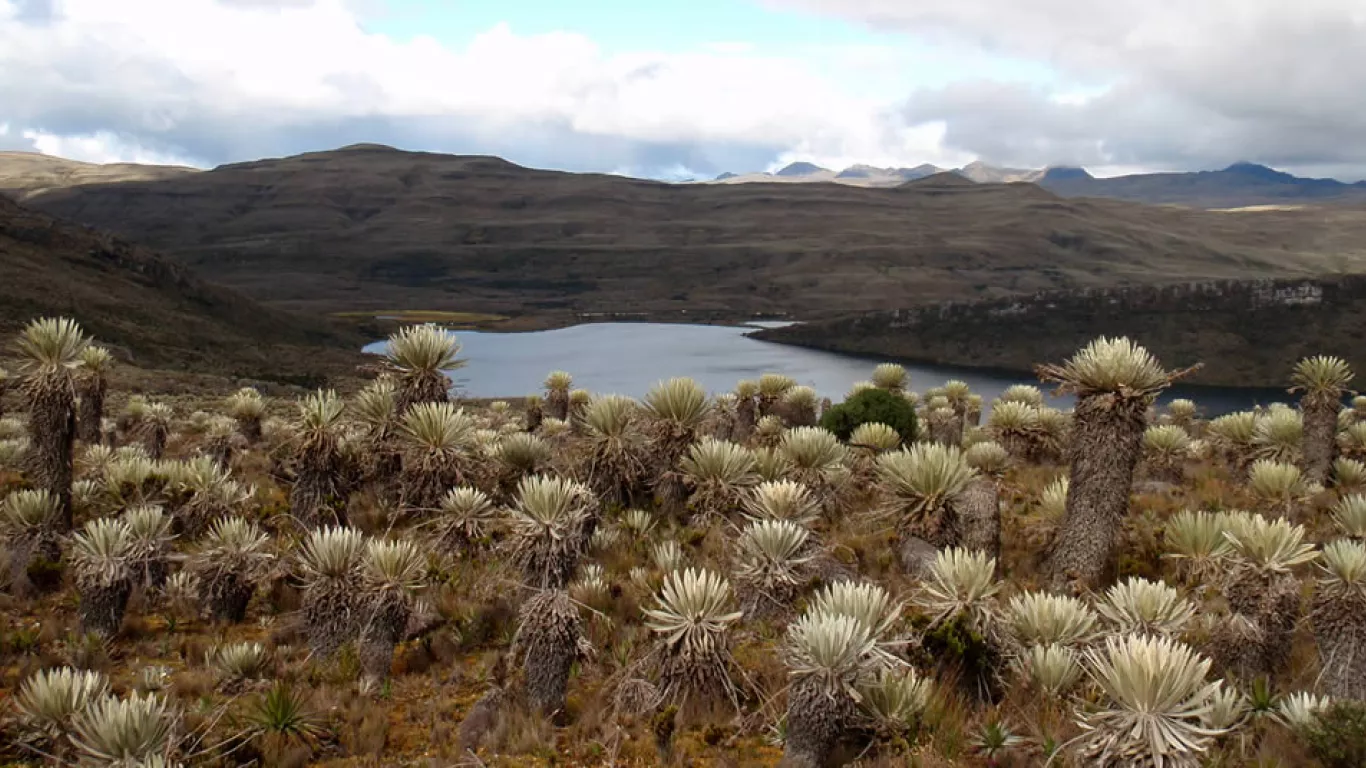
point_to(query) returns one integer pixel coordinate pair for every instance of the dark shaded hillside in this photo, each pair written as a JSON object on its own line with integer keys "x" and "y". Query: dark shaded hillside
{"x": 373, "y": 228}
{"x": 152, "y": 312}
{"x": 1248, "y": 333}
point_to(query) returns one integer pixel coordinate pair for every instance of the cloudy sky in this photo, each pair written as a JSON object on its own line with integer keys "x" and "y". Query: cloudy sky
{"x": 676, "y": 88}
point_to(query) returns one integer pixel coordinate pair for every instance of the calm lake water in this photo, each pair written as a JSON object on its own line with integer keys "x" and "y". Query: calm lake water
{"x": 628, "y": 358}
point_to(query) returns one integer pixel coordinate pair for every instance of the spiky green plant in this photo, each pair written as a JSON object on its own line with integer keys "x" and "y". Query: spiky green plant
{"x": 638, "y": 521}
{"x": 155, "y": 428}
{"x": 1052, "y": 669}
{"x": 875, "y": 437}
{"x": 232, "y": 557}
{"x": 102, "y": 560}
{"x": 92, "y": 382}
{"x": 772, "y": 565}
{"x": 204, "y": 492}
{"x": 557, "y": 386}
{"x": 782, "y": 500}
{"x": 815, "y": 457}
{"x": 1279, "y": 487}
{"x": 1137, "y": 605}
{"x": 1155, "y": 702}
{"x": 125, "y": 731}
{"x": 1165, "y": 450}
{"x": 770, "y": 464}
{"x": 1324, "y": 381}
{"x": 615, "y": 463}
{"x": 865, "y": 601}
{"x": 1038, "y": 618}
{"x": 320, "y": 489}
{"x": 1196, "y": 541}
{"x": 438, "y": 455}
{"x": 1338, "y": 615}
{"x": 1300, "y": 710}
{"x": 1263, "y": 593}
{"x": 467, "y": 515}
{"x": 13, "y": 453}
{"x": 1349, "y": 475}
{"x": 680, "y": 403}
{"x": 391, "y": 573}
{"x": 830, "y": 657}
{"x": 51, "y": 349}
{"x": 1277, "y": 435}
{"x": 771, "y": 389}
{"x": 860, "y": 387}
{"x": 551, "y": 523}
{"x": 1232, "y": 433}
{"x": 692, "y": 620}
{"x": 520, "y": 454}
{"x": 247, "y": 407}
{"x": 891, "y": 377}
{"x": 418, "y": 356}
{"x": 1182, "y": 411}
{"x": 1349, "y": 514}
{"x": 989, "y": 458}
{"x": 238, "y": 663}
{"x": 919, "y": 486}
{"x": 285, "y": 714}
{"x": 1115, "y": 380}
{"x": 667, "y": 556}
{"x": 797, "y": 406}
{"x": 961, "y": 583}
{"x": 1015, "y": 423}
{"x": 1022, "y": 393}
{"x": 718, "y": 472}
{"x": 49, "y": 700}
{"x": 29, "y": 521}
{"x": 894, "y": 700}
{"x": 1352, "y": 441}
{"x": 330, "y": 563}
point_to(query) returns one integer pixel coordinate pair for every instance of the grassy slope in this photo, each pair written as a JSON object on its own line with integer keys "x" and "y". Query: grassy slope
{"x": 437, "y": 680}
{"x": 153, "y": 312}
{"x": 373, "y": 228}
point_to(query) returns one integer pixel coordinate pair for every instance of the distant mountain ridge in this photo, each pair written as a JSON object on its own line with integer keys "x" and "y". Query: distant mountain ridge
{"x": 1239, "y": 185}
{"x": 374, "y": 228}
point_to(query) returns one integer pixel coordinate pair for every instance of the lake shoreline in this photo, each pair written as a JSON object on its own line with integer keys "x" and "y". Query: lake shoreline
{"x": 629, "y": 357}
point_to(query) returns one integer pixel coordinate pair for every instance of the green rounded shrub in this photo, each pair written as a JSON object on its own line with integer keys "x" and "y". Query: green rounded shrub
{"x": 868, "y": 406}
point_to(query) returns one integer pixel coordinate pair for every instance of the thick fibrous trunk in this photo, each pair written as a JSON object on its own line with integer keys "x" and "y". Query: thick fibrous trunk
{"x": 945, "y": 428}
{"x": 91, "y": 390}
{"x": 319, "y": 496}
{"x": 41, "y": 548}
{"x": 979, "y": 516}
{"x": 250, "y": 427}
{"x": 421, "y": 387}
{"x": 534, "y": 417}
{"x": 102, "y": 607}
{"x": 52, "y": 431}
{"x": 744, "y": 420}
{"x": 1339, "y": 619}
{"x": 549, "y": 634}
{"x": 816, "y": 720}
{"x": 329, "y": 615}
{"x": 1258, "y": 640}
{"x": 1106, "y": 442}
{"x": 381, "y": 633}
{"x": 557, "y": 404}
{"x": 227, "y": 595}
{"x": 1320, "y": 436}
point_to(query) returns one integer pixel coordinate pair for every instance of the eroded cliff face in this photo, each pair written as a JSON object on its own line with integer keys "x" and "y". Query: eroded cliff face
{"x": 1247, "y": 333}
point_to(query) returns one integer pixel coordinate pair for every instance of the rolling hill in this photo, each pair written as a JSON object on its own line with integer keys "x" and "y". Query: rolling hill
{"x": 374, "y": 228}
{"x": 150, "y": 311}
